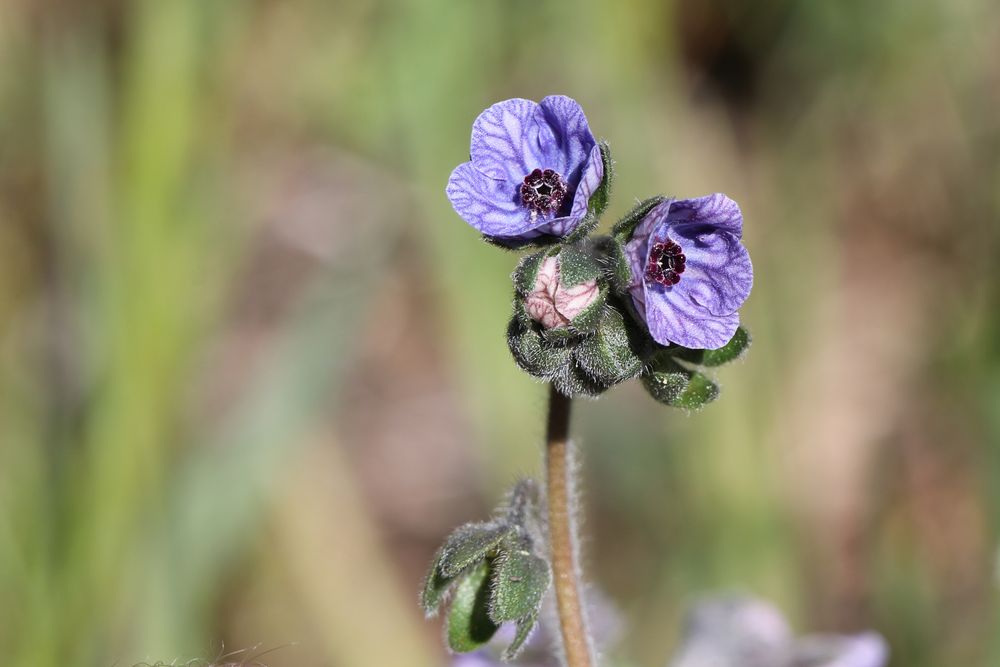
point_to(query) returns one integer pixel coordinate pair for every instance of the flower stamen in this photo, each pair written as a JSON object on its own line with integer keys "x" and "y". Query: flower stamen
{"x": 543, "y": 191}
{"x": 666, "y": 263}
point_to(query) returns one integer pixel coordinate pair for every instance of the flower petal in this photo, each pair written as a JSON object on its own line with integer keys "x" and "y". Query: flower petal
{"x": 716, "y": 210}
{"x": 637, "y": 248}
{"x": 509, "y": 139}
{"x": 672, "y": 317}
{"x": 868, "y": 649}
{"x": 487, "y": 204}
{"x": 564, "y": 116}
{"x": 719, "y": 274}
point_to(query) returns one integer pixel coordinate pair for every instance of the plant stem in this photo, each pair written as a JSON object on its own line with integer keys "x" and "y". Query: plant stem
{"x": 576, "y": 644}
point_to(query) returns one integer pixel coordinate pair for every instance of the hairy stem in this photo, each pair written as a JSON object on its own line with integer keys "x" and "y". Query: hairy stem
{"x": 576, "y": 644}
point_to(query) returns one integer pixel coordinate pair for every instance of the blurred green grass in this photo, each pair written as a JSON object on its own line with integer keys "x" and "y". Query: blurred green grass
{"x": 252, "y": 365}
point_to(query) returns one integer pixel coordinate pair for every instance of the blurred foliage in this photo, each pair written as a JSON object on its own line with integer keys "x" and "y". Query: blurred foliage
{"x": 253, "y": 367}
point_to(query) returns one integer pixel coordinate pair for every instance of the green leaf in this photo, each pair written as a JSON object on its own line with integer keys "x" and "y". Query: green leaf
{"x": 469, "y": 623}
{"x": 520, "y": 580}
{"x": 607, "y": 356}
{"x": 577, "y": 266}
{"x": 436, "y": 587}
{"x": 624, "y": 228}
{"x": 470, "y": 544}
{"x": 734, "y": 349}
{"x": 523, "y": 633}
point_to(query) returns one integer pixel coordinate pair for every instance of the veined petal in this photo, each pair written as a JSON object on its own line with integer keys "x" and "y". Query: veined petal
{"x": 488, "y": 205}
{"x": 716, "y": 210}
{"x": 719, "y": 274}
{"x": 574, "y": 140}
{"x": 509, "y": 141}
{"x": 675, "y": 318}
{"x": 590, "y": 179}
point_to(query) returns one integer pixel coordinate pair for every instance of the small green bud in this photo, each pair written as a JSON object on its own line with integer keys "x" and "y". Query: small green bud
{"x": 676, "y": 386}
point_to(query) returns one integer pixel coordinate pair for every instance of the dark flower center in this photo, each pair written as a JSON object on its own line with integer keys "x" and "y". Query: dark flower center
{"x": 666, "y": 263}
{"x": 543, "y": 191}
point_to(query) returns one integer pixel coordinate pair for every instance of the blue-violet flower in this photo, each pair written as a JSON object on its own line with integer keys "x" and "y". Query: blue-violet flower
{"x": 532, "y": 171}
{"x": 690, "y": 272}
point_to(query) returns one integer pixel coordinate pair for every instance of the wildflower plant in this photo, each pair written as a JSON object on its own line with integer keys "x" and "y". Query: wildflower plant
{"x": 657, "y": 300}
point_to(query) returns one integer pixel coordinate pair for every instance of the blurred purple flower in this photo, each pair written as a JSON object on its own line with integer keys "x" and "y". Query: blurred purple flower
{"x": 744, "y": 632}
{"x": 532, "y": 171}
{"x": 690, "y": 272}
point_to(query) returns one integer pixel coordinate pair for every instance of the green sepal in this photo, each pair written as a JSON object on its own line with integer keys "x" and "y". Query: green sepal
{"x": 617, "y": 267}
{"x": 469, "y": 622}
{"x": 520, "y": 580}
{"x": 590, "y": 318}
{"x": 577, "y": 266}
{"x": 731, "y": 351}
{"x": 574, "y": 382}
{"x": 470, "y": 544}
{"x": 678, "y": 387}
{"x": 665, "y": 386}
{"x": 532, "y": 353}
{"x": 598, "y": 201}
{"x": 607, "y": 356}
{"x": 521, "y": 635}
{"x": 436, "y": 587}
{"x": 527, "y": 270}
{"x": 623, "y": 228}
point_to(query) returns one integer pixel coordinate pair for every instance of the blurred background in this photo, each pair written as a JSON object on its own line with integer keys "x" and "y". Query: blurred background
{"x": 253, "y": 367}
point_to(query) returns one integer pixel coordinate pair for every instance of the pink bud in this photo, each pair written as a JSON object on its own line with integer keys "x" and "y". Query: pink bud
{"x": 551, "y": 303}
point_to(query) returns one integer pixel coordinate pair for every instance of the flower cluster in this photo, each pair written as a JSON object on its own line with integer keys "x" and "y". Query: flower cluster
{"x": 655, "y": 299}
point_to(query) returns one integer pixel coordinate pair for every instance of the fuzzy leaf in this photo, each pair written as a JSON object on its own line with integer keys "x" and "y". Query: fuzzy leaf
{"x": 436, "y": 587}
{"x": 577, "y": 266}
{"x": 624, "y": 227}
{"x": 520, "y": 580}
{"x": 607, "y": 356}
{"x": 469, "y": 544}
{"x": 523, "y": 631}
{"x": 469, "y": 623}
{"x": 734, "y": 349}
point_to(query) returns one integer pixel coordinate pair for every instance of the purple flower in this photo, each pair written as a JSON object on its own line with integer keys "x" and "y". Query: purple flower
{"x": 690, "y": 272}
{"x": 532, "y": 171}
{"x": 732, "y": 631}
